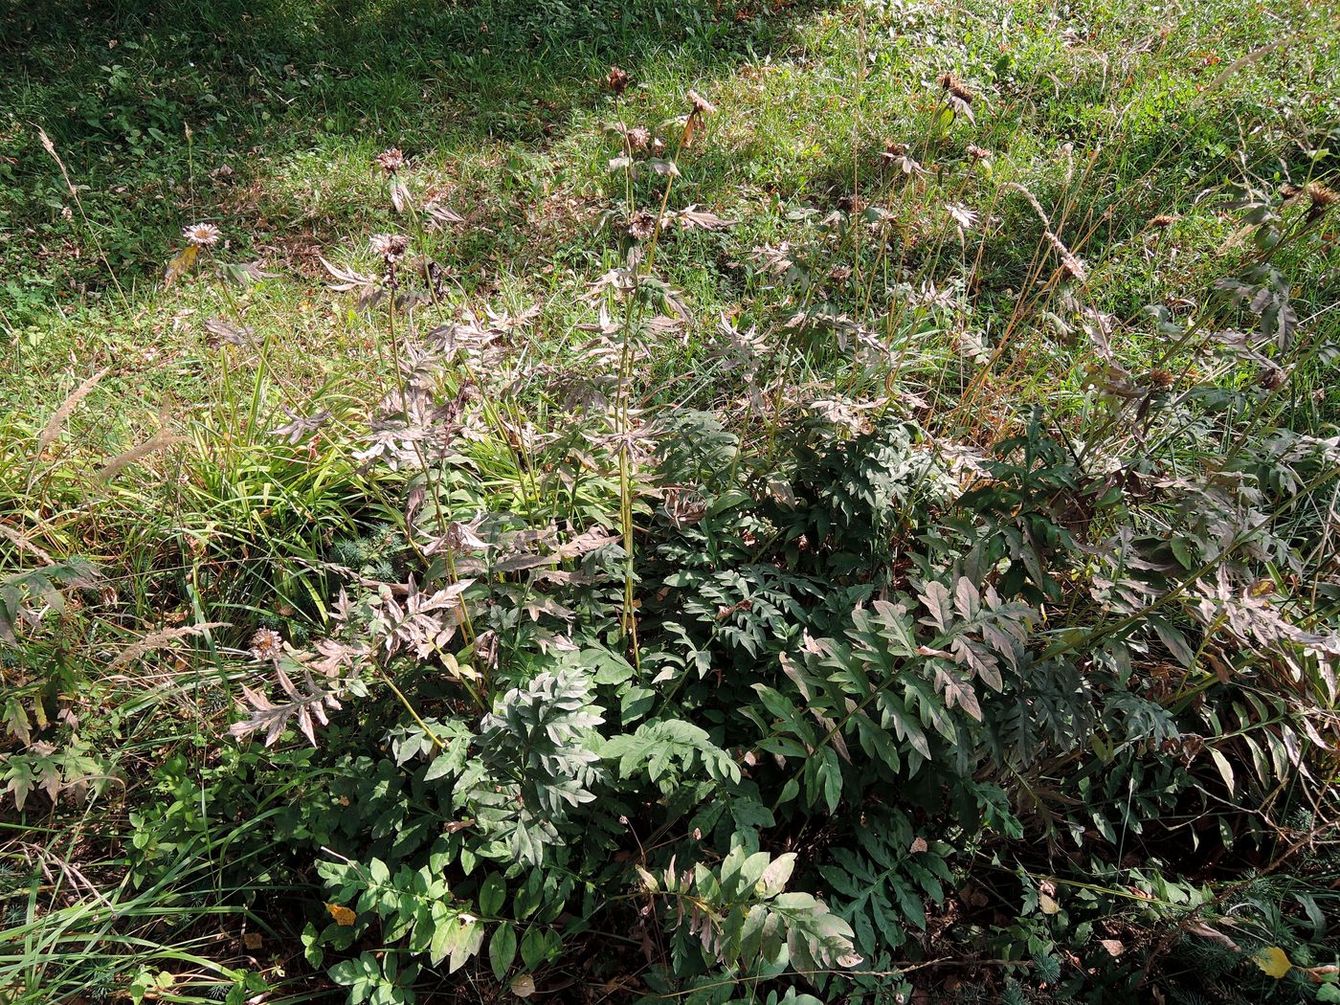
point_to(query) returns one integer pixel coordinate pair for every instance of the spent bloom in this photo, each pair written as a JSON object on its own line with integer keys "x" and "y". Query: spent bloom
{"x": 391, "y": 160}
{"x": 639, "y": 138}
{"x": 699, "y": 105}
{"x": 960, "y": 98}
{"x": 266, "y": 644}
{"x": 390, "y": 247}
{"x": 202, "y": 235}
{"x": 642, "y": 225}
{"x": 617, "y": 80}
{"x": 1321, "y": 198}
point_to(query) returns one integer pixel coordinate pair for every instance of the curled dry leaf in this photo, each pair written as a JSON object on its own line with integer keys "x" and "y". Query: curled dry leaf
{"x": 523, "y": 985}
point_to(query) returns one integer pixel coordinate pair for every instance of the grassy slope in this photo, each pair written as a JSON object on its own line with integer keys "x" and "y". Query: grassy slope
{"x": 1108, "y": 113}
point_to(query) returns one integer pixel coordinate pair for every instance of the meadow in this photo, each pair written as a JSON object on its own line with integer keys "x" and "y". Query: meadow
{"x": 706, "y": 502}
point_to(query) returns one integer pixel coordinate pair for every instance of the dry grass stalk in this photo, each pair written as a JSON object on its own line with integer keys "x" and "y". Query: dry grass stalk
{"x": 161, "y": 639}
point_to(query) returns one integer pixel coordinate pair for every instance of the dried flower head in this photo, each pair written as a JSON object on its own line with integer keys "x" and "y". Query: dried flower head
{"x": 956, "y": 88}
{"x": 1321, "y": 198}
{"x": 896, "y": 154}
{"x": 978, "y": 153}
{"x": 639, "y": 138}
{"x": 1272, "y": 377}
{"x": 641, "y": 225}
{"x": 202, "y": 235}
{"x": 391, "y": 160}
{"x": 1162, "y": 379}
{"x": 267, "y": 644}
{"x": 617, "y": 80}
{"x": 391, "y": 247}
{"x": 1163, "y": 220}
{"x": 960, "y": 98}
{"x": 699, "y": 105}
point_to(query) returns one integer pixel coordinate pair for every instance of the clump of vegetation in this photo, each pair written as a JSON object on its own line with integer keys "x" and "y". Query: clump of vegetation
{"x": 836, "y": 507}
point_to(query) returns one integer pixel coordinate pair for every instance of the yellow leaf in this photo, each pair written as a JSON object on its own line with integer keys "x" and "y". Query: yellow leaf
{"x": 180, "y": 264}
{"x": 1274, "y": 961}
{"x": 342, "y": 915}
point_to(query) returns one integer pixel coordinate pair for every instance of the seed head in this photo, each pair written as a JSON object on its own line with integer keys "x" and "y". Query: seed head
{"x": 699, "y": 105}
{"x": 391, "y": 247}
{"x": 1163, "y": 220}
{"x": 267, "y": 644}
{"x": 642, "y": 225}
{"x": 617, "y": 80}
{"x": 1321, "y": 198}
{"x": 1162, "y": 379}
{"x": 391, "y": 160}
{"x": 956, "y": 87}
{"x": 202, "y": 235}
{"x": 639, "y": 138}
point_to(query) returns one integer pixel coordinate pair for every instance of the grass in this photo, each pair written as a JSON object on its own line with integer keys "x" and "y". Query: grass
{"x": 1065, "y": 231}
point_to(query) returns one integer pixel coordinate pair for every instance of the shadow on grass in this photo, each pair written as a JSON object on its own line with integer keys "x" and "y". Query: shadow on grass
{"x": 146, "y": 103}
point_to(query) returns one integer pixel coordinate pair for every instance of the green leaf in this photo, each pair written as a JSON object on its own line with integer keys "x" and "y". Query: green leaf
{"x": 534, "y": 946}
{"x": 492, "y": 895}
{"x": 502, "y": 950}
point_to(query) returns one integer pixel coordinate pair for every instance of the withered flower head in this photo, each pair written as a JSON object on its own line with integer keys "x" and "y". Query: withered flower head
{"x": 617, "y": 80}
{"x": 700, "y": 105}
{"x": 1162, "y": 379}
{"x": 391, "y": 247}
{"x": 897, "y": 154}
{"x": 267, "y": 644}
{"x": 639, "y": 138}
{"x": 978, "y": 153}
{"x": 642, "y": 225}
{"x": 202, "y": 235}
{"x": 956, "y": 87}
{"x": 1321, "y": 198}
{"x": 391, "y": 160}
{"x": 1163, "y": 220}
{"x": 1272, "y": 377}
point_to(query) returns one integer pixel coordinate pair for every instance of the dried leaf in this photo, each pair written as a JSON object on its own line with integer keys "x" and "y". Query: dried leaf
{"x": 523, "y": 985}
{"x": 180, "y": 264}
{"x": 1213, "y": 934}
{"x": 343, "y": 916}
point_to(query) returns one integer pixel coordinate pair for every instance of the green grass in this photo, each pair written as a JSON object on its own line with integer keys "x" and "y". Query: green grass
{"x": 1119, "y": 128}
